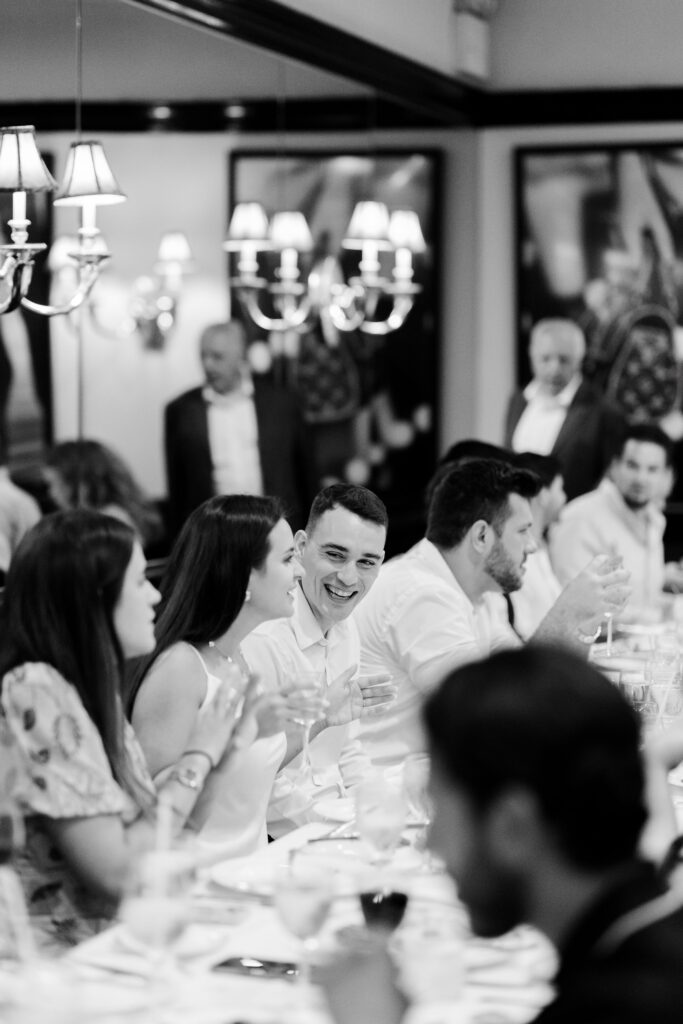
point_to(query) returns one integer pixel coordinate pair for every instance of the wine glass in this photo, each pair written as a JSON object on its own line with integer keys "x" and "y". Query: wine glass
{"x": 303, "y": 896}
{"x": 416, "y": 782}
{"x": 305, "y": 698}
{"x": 155, "y": 911}
{"x": 612, "y": 562}
{"x": 380, "y": 817}
{"x": 383, "y": 909}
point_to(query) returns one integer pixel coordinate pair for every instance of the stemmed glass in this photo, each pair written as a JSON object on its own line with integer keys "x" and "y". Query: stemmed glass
{"x": 303, "y": 896}
{"x": 306, "y": 697}
{"x": 415, "y": 781}
{"x": 380, "y": 817}
{"x": 155, "y": 911}
{"x": 613, "y": 562}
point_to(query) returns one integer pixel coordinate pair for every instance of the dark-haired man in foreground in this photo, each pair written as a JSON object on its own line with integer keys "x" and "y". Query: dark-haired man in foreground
{"x": 538, "y": 794}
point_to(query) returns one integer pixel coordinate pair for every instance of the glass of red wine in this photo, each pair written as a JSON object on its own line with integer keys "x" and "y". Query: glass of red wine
{"x": 383, "y": 909}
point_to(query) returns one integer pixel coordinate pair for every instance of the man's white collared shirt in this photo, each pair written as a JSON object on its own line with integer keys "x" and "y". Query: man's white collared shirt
{"x": 233, "y": 441}
{"x": 418, "y": 624}
{"x": 542, "y": 419}
{"x": 279, "y": 652}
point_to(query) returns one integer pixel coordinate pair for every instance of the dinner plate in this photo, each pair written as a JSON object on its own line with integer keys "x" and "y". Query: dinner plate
{"x": 339, "y": 809}
{"x": 242, "y": 877}
{"x": 195, "y": 941}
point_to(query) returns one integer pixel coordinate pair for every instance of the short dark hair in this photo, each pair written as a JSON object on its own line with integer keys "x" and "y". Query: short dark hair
{"x": 359, "y": 500}
{"x": 541, "y": 718}
{"x": 472, "y": 490}
{"x": 646, "y": 433}
{"x": 463, "y": 451}
{"x": 546, "y": 467}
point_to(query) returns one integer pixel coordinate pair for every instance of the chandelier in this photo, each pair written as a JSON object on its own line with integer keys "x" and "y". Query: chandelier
{"x": 353, "y": 304}
{"x": 88, "y": 183}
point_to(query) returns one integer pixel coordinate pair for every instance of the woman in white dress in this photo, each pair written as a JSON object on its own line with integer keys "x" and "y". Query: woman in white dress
{"x": 233, "y": 567}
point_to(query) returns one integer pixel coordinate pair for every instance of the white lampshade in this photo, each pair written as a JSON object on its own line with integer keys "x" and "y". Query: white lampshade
{"x": 248, "y": 224}
{"x": 369, "y": 223}
{"x": 21, "y": 165}
{"x": 405, "y": 231}
{"x": 88, "y": 178}
{"x": 290, "y": 230}
{"x": 174, "y": 248}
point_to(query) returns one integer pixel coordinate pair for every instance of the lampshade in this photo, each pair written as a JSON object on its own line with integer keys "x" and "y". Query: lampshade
{"x": 247, "y": 224}
{"x": 88, "y": 176}
{"x": 290, "y": 230}
{"x": 369, "y": 223}
{"x": 174, "y": 248}
{"x": 405, "y": 231}
{"x": 21, "y": 165}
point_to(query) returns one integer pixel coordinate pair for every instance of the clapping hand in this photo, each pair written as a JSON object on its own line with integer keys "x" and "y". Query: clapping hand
{"x": 351, "y": 696}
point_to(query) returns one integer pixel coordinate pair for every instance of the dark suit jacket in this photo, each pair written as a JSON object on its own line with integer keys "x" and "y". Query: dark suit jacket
{"x": 285, "y": 461}
{"x": 587, "y": 439}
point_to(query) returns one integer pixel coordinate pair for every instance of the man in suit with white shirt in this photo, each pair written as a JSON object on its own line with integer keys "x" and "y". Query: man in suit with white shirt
{"x": 235, "y": 435}
{"x": 560, "y": 413}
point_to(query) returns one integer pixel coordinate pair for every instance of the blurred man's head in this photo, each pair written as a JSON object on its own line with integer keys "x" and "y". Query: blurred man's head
{"x": 486, "y": 503}
{"x": 551, "y": 498}
{"x": 341, "y": 550}
{"x": 222, "y": 350}
{"x": 641, "y": 469}
{"x": 556, "y": 351}
{"x": 536, "y": 769}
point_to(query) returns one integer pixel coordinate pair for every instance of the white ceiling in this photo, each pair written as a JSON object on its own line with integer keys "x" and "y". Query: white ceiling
{"x": 133, "y": 54}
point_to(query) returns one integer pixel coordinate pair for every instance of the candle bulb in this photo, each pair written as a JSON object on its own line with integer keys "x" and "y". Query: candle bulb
{"x": 19, "y": 206}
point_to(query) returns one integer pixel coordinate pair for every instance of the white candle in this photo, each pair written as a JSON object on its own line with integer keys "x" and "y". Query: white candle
{"x": 19, "y": 206}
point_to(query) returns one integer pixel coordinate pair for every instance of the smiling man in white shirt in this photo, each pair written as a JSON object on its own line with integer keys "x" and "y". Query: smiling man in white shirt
{"x": 340, "y": 552}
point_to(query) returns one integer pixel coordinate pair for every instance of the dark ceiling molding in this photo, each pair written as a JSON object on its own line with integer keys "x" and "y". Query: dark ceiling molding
{"x": 239, "y": 116}
{"x": 279, "y": 29}
{"x": 575, "y": 106}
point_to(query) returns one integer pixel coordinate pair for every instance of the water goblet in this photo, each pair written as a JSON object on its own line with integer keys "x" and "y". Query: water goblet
{"x": 155, "y": 911}
{"x": 380, "y": 817}
{"x": 305, "y": 697}
{"x": 303, "y": 896}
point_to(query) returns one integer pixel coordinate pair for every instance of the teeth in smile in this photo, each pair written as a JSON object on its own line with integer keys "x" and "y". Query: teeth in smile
{"x": 339, "y": 593}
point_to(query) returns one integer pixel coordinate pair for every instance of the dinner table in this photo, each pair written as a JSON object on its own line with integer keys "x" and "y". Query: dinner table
{"x": 234, "y": 962}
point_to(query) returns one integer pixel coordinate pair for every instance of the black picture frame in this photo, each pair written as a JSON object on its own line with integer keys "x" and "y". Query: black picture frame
{"x": 380, "y": 429}
{"x": 599, "y": 239}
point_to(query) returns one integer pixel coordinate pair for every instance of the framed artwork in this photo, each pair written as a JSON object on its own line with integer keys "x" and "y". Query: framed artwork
{"x": 25, "y": 370}
{"x": 369, "y": 402}
{"x": 600, "y": 240}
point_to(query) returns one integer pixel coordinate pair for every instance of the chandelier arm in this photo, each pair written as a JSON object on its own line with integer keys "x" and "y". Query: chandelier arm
{"x": 396, "y": 319}
{"x": 293, "y": 320}
{"x": 343, "y": 322}
{"x": 89, "y": 274}
{"x": 19, "y": 274}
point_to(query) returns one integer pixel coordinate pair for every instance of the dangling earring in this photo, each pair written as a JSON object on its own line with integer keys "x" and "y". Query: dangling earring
{"x": 247, "y": 596}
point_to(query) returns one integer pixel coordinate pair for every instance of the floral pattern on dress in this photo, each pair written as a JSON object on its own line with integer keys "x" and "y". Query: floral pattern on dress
{"x": 66, "y": 774}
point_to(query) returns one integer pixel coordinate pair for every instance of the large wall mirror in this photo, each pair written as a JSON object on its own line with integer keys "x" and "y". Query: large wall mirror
{"x": 111, "y": 371}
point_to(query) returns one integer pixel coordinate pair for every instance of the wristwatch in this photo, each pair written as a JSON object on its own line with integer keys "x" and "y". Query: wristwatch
{"x": 588, "y": 638}
{"x": 188, "y": 777}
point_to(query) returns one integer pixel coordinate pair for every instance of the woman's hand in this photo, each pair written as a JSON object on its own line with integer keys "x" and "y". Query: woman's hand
{"x": 217, "y": 720}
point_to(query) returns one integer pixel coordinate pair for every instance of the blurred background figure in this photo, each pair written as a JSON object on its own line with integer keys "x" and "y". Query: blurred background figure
{"x": 88, "y": 474}
{"x": 559, "y": 412}
{"x": 235, "y": 435}
{"x": 19, "y": 511}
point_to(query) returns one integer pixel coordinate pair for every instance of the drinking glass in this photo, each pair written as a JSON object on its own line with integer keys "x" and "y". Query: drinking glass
{"x": 155, "y": 911}
{"x": 612, "y": 562}
{"x": 663, "y": 676}
{"x": 305, "y": 697}
{"x": 383, "y": 909}
{"x": 303, "y": 896}
{"x": 380, "y": 817}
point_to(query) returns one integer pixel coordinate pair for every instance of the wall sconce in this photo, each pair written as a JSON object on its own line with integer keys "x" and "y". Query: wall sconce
{"x": 151, "y": 311}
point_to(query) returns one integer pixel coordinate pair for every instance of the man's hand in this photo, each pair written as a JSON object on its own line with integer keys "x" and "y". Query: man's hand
{"x": 600, "y": 589}
{"x": 352, "y": 696}
{"x": 361, "y": 988}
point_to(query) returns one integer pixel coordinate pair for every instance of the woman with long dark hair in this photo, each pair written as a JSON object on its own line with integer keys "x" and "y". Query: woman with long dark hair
{"x": 76, "y": 605}
{"x": 233, "y": 566}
